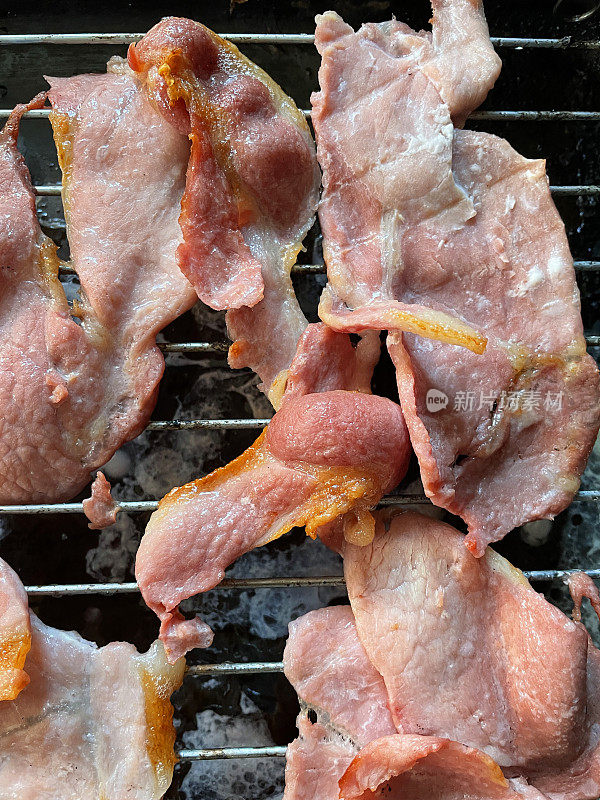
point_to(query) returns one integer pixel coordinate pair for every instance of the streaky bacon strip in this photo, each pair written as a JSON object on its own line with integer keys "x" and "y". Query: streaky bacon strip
{"x": 15, "y": 633}
{"x": 322, "y": 456}
{"x": 92, "y": 722}
{"x": 252, "y": 182}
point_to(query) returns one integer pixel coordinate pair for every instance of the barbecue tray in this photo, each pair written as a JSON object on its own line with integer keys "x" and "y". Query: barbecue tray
{"x": 236, "y": 712}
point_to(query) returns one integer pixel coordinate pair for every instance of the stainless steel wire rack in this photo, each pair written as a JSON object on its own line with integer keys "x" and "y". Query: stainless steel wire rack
{"x": 218, "y": 349}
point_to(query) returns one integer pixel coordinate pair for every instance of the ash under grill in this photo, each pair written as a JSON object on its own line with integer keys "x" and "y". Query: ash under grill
{"x": 236, "y": 715}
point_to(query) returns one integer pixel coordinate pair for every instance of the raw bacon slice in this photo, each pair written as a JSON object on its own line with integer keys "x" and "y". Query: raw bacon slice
{"x": 252, "y": 185}
{"x": 73, "y": 393}
{"x": 328, "y": 667}
{"x": 528, "y": 410}
{"x": 100, "y": 509}
{"x": 15, "y": 633}
{"x": 91, "y": 723}
{"x": 315, "y": 762}
{"x": 331, "y": 672}
{"x": 405, "y": 767}
{"x": 384, "y": 135}
{"x": 470, "y": 652}
{"x": 450, "y": 221}
{"x": 36, "y": 463}
{"x": 322, "y": 456}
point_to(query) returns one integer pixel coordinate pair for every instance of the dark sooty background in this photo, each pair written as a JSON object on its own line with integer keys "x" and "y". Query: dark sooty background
{"x": 252, "y": 625}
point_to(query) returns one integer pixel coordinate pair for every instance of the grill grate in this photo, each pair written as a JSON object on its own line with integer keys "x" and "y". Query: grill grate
{"x": 580, "y": 191}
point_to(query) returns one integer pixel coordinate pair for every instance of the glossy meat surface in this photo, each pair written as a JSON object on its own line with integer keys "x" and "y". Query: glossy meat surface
{"x": 15, "y": 633}
{"x": 330, "y": 670}
{"x": 424, "y": 223}
{"x": 75, "y": 389}
{"x": 92, "y": 722}
{"x": 323, "y": 455}
{"x": 251, "y": 190}
{"x": 470, "y": 652}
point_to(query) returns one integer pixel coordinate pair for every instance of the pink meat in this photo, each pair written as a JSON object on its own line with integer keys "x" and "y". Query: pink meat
{"x": 100, "y": 509}
{"x": 322, "y": 456}
{"x": 405, "y": 767}
{"x": 213, "y": 254}
{"x": 315, "y": 762}
{"x": 581, "y": 586}
{"x": 329, "y": 669}
{"x": 468, "y": 651}
{"x": 415, "y": 216}
{"x": 251, "y": 189}
{"x": 81, "y": 390}
{"x": 93, "y": 722}
{"x": 37, "y": 461}
{"x": 326, "y": 360}
{"x": 384, "y": 135}
{"x": 527, "y": 411}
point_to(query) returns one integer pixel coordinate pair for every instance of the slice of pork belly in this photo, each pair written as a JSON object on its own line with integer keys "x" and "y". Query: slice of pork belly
{"x": 470, "y": 652}
{"x": 409, "y": 767}
{"x": 460, "y": 224}
{"x": 92, "y": 722}
{"x": 252, "y": 185}
{"x": 384, "y": 137}
{"x": 322, "y": 456}
{"x": 74, "y": 391}
{"x": 15, "y": 633}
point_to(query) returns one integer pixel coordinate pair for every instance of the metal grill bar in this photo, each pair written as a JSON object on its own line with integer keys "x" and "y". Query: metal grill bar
{"x": 581, "y": 190}
{"x": 194, "y": 347}
{"x": 491, "y": 115}
{"x": 109, "y": 589}
{"x": 536, "y": 116}
{"x": 234, "y": 668}
{"x": 592, "y": 340}
{"x": 206, "y": 424}
{"x": 512, "y": 42}
{"x": 214, "y": 753}
{"x": 310, "y": 269}
{"x": 141, "y": 506}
